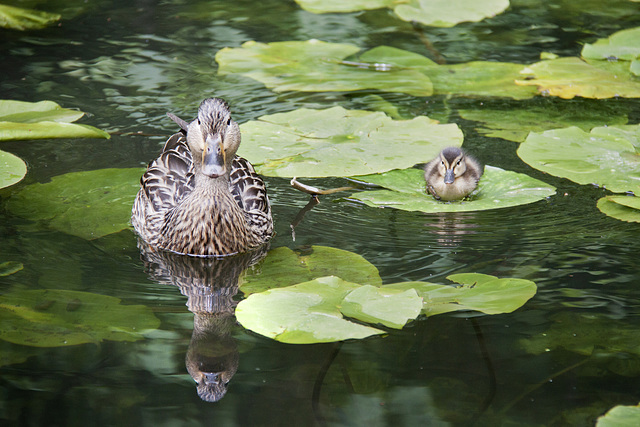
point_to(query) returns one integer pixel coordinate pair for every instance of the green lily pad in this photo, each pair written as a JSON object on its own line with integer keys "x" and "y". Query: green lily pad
{"x": 40, "y": 120}
{"x": 12, "y": 169}
{"x": 570, "y": 77}
{"x": 606, "y": 156}
{"x": 305, "y": 313}
{"x": 620, "y": 416}
{"x": 391, "y": 307}
{"x": 88, "y": 204}
{"x": 339, "y": 142}
{"x": 436, "y": 13}
{"x": 479, "y": 292}
{"x": 55, "y": 318}
{"x": 9, "y": 267}
{"x": 515, "y": 124}
{"x": 17, "y": 18}
{"x": 624, "y": 208}
{"x": 315, "y": 66}
{"x": 623, "y": 44}
{"x": 406, "y": 190}
{"x": 284, "y": 267}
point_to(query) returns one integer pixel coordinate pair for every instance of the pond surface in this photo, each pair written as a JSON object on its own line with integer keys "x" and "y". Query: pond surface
{"x": 564, "y": 358}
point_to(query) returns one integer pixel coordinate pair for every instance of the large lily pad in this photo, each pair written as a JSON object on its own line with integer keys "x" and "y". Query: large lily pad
{"x": 44, "y": 119}
{"x": 620, "y": 416}
{"x": 17, "y": 18}
{"x": 284, "y": 267}
{"x": 624, "y": 208}
{"x": 571, "y": 77}
{"x": 406, "y": 190}
{"x": 437, "y": 13}
{"x": 54, "y": 318}
{"x": 339, "y": 142}
{"x": 12, "y": 169}
{"x": 479, "y": 292}
{"x": 315, "y": 66}
{"x": 606, "y": 156}
{"x": 623, "y": 44}
{"x": 86, "y": 204}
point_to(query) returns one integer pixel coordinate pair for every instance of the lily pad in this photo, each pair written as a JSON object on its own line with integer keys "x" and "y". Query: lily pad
{"x": 55, "y": 318}
{"x": 391, "y": 307}
{"x": 305, "y": 313}
{"x": 9, "y": 267}
{"x": 17, "y": 18}
{"x": 479, "y": 292}
{"x": 284, "y": 267}
{"x": 315, "y": 66}
{"x": 515, "y": 124}
{"x": 606, "y": 156}
{"x": 12, "y": 169}
{"x": 571, "y": 77}
{"x": 88, "y": 204}
{"x": 406, "y": 190}
{"x": 624, "y": 208}
{"x": 620, "y": 416}
{"x": 436, "y": 13}
{"x": 623, "y": 45}
{"x": 339, "y": 142}
{"x": 40, "y": 120}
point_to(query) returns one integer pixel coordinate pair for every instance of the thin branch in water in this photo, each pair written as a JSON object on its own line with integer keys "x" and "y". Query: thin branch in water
{"x": 312, "y": 202}
{"x": 437, "y": 56}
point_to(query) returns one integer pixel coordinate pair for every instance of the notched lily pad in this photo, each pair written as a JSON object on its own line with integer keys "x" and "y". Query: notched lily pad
{"x": 284, "y": 267}
{"x": 619, "y": 416}
{"x": 606, "y": 156}
{"x": 340, "y": 142}
{"x": 85, "y": 204}
{"x": 55, "y": 318}
{"x": 12, "y": 169}
{"x": 39, "y": 120}
{"x": 624, "y": 208}
{"x": 406, "y": 190}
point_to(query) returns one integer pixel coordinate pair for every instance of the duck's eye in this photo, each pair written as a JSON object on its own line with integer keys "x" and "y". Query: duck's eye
{"x": 458, "y": 164}
{"x": 229, "y": 121}
{"x": 443, "y": 163}
{"x": 198, "y": 121}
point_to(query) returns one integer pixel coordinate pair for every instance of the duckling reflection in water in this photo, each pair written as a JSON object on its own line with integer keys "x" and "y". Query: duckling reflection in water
{"x": 452, "y": 175}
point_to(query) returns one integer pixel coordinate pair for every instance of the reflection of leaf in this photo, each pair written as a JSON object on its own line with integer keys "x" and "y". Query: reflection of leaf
{"x": 45, "y": 119}
{"x": 437, "y": 13}
{"x": 86, "y": 204}
{"x": 620, "y": 416}
{"x": 570, "y": 77}
{"x": 17, "y": 18}
{"x": 339, "y": 142}
{"x": 12, "y": 169}
{"x": 10, "y": 267}
{"x": 515, "y": 124}
{"x": 623, "y": 44}
{"x": 624, "y": 208}
{"x": 284, "y": 267}
{"x": 406, "y": 190}
{"x": 54, "y": 318}
{"x": 606, "y": 156}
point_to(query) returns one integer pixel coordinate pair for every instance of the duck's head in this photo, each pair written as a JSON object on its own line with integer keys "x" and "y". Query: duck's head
{"x": 452, "y": 164}
{"x": 213, "y": 137}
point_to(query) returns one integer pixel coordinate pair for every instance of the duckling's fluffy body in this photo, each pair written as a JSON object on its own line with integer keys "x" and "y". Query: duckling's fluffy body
{"x": 198, "y": 197}
{"x": 452, "y": 175}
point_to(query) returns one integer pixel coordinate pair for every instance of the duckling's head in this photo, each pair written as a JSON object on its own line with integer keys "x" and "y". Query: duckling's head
{"x": 213, "y": 137}
{"x": 452, "y": 164}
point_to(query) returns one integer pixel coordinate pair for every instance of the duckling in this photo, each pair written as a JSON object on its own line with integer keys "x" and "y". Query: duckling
{"x": 452, "y": 175}
{"x": 198, "y": 197}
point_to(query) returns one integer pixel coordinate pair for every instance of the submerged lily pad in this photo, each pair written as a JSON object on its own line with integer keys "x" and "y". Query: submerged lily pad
{"x": 285, "y": 267}
{"x": 571, "y": 77}
{"x": 339, "y": 142}
{"x": 620, "y": 416}
{"x": 44, "y": 119}
{"x": 623, "y": 44}
{"x": 406, "y": 190}
{"x": 17, "y": 18}
{"x": 606, "y": 156}
{"x": 12, "y": 169}
{"x": 624, "y": 208}
{"x": 55, "y": 318}
{"x": 9, "y": 267}
{"x": 88, "y": 204}
{"x": 436, "y": 13}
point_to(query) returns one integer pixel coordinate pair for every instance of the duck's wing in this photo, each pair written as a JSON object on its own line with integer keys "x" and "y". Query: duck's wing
{"x": 169, "y": 177}
{"x": 250, "y": 193}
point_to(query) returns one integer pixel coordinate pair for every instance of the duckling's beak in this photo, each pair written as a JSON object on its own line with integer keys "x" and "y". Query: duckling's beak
{"x": 449, "y": 176}
{"x": 213, "y": 159}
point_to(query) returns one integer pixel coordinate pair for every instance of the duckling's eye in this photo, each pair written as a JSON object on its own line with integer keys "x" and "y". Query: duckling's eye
{"x": 198, "y": 122}
{"x": 229, "y": 121}
{"x": 443, "y": 163}
{"x": 458, "y": 164}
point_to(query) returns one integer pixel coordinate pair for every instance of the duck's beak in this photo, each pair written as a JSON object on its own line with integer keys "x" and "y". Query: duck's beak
{"x": 449, "y": 176}
{"x": 213, "y": 159}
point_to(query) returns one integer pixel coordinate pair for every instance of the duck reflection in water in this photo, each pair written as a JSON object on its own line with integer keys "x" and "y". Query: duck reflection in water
{"x": 452, "y": 227}
{"x": 210, "y": 285}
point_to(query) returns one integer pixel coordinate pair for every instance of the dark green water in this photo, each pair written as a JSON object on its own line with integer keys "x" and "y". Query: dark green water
{"x": 127, "y": 63}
